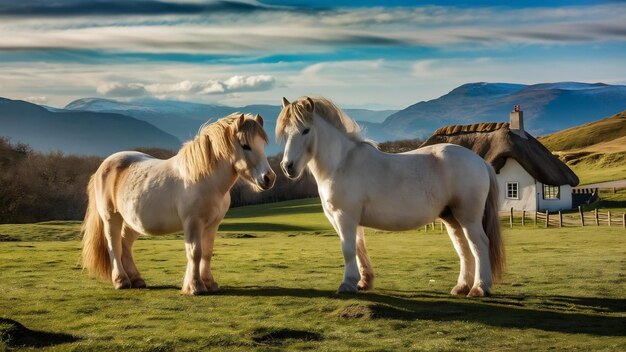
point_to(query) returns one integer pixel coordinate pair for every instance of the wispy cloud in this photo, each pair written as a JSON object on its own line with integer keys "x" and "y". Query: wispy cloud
{"x": 236, "y": 30}
{"x": 184, "y": 88}
{"x": 215, "y": 51}
{"x": 123, "y": 8}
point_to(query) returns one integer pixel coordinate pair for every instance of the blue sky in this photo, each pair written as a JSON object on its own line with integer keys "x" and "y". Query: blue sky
{"x": 375, "y": 54}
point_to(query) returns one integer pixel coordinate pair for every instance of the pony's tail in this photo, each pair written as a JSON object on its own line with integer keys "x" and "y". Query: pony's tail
{"x": 95, "y": 255}
{"x": 491, "y": 224}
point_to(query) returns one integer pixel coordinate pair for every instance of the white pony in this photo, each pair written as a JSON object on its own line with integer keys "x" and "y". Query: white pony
{"x": 360, "y": 186}
{"x": 133, "y": 193}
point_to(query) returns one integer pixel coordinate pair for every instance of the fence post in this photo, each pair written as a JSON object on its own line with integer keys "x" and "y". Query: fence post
{"x": 440, "y": 225}
{"x": 511, "y": 218}
{"x": 560, "y": 219}
{"x": 426, "y": 227}
{"x": 547, "y": 218}
{"x": 536, "y": 212}
{"x": 582, "y": 216}
{"x": 624, "y": 220}
{"x": 608, "y": 217}
{"x": 523, "y": 217}
{"x": 596, "y": 215}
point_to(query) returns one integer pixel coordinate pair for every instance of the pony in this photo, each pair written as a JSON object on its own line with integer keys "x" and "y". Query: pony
{"x": 133, "y": 193}
{"x": 361, "y": 186}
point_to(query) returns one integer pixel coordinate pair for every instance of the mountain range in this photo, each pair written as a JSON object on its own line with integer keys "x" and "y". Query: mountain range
{"x": 77, "y": 132}
{"x": 101, "y": 126}
{"x": 548, "y": 107}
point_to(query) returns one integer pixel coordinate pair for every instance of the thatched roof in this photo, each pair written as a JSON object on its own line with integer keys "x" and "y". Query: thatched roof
{"x": 495, "y": 143}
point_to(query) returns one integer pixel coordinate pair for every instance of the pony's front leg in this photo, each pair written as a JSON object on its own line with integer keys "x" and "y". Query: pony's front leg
{"x": 365, "y": 266}
{"x": 193, "y": 284}
{"x": 208, "y": 238}
{"x": 347, "y": 229}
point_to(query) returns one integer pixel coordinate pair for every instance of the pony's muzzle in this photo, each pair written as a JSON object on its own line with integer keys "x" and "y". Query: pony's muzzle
{"x": 287, "y": 168}
{"x": 267, "y": 181}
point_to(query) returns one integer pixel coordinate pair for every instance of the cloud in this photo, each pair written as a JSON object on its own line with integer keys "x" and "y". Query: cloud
{"x": 233, "y": 84}
{"x": 37, "y": 100}
{"x": 123, "y": 8}
{"x": 254, "y": 29}
{"x": 117, "y": 89}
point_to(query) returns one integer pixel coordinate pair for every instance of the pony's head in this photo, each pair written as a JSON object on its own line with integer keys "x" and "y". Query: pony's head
{"x": 298, "y": 125}
{"x": 238, "y": 139}
{"x": 250, "y": 160}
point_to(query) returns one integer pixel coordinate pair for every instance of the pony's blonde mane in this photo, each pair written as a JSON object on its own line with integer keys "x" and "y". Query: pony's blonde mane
{"x": 299, "y": 112}
{"x": 215, "y": 142}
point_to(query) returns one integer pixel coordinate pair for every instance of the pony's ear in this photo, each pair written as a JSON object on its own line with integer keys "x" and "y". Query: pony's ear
{"x": 310, "y": 106}
{"x": 259, "y": 119}
{"x": 285, "y": 102}
{"x": 240, "y": 121}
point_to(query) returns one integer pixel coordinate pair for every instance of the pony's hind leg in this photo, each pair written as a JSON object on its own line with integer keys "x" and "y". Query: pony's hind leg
{"x": 128, "y": 239}
{"x": 363, "y": 260}
{"x": 193, "y": 284}
{"x": 113, "y": 233}
{"x": 466, "y": 258}
{"x": 208, "y": 239}
{"x": 479, "y": 244}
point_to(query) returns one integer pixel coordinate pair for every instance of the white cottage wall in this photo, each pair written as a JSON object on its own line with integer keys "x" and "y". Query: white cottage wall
{"x": 564, "y": 201}
{"x": 512, "y": 171}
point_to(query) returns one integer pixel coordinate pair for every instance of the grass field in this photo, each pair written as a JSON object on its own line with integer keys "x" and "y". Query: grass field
{"x": 279, "y": 266}
{"x": 596, "y": 151}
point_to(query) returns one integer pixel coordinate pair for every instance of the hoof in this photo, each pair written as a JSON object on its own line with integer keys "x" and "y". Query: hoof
{"x": 365, "y": 286}
{"x": 460, "y": 290}
{"x": 195, "y": 290}
{"x": 347, "y": 288}
{"x": 122, "y": 284}
{"x": 476, "y": 291}
{"x": 213, "y": 287}
{"x": 138, "y": 283}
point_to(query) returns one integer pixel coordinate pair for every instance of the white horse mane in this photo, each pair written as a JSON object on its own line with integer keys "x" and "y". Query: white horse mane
{"x": 299, "y": 112}
{"x": 214, "y": 142}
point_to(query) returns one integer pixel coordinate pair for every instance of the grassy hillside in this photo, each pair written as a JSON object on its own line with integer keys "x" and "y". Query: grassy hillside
{"x": 278, "y": 292}
{"x": 579, "y": 137}
{"x": 596, "y": 151}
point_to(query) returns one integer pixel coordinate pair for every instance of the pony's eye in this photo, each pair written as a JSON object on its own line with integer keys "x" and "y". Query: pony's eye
{"x": 246, "y": 147}
{"x": 306, "y": 130}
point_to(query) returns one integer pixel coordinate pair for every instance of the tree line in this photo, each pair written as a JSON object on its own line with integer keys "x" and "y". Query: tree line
{"x": 37, "y": 186}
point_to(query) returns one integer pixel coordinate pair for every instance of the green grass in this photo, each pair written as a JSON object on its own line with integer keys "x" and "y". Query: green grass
{"x": 603, "y": 130}
{"x": 563, "y": 290}
{"x": 594, "y": 151}
{"x": 594, "y": 168}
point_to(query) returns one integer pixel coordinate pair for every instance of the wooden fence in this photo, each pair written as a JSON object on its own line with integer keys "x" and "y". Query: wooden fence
{"x": 550, "y": 220}
{"x": 559, "y": 219}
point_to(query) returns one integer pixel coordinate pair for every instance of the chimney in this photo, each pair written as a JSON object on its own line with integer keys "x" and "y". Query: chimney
{"x": 517, "y": 122}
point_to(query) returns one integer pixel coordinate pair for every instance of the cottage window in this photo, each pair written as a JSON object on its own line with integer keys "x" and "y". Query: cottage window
{"x": 551, "y": 192}
{"x": 512, "y": 190}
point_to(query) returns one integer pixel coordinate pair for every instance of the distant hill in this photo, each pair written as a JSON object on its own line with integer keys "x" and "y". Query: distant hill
{"x": 598, "y": 132}
{"x": 182, "y": 119}
{"x": 596, "y": 151}
{"x": 548, "y": 107}
{"x": 78, "y": 132}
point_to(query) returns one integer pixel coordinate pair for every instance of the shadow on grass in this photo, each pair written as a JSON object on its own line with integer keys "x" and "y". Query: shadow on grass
{"x": 500, "y": 311}
{"x": 282, "y": 209}
{"x": 262, "y": 226}
{"x": 14, "y": 334}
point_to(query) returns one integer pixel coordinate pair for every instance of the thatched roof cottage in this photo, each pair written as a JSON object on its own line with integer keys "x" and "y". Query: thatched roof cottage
{"x": 530, "y": 176}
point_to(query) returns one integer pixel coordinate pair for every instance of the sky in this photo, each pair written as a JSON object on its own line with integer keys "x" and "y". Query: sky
{"x": 369, "y": 53}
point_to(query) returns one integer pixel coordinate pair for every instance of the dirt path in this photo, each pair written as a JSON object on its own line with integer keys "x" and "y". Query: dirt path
{"x": 610, "y": 184}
